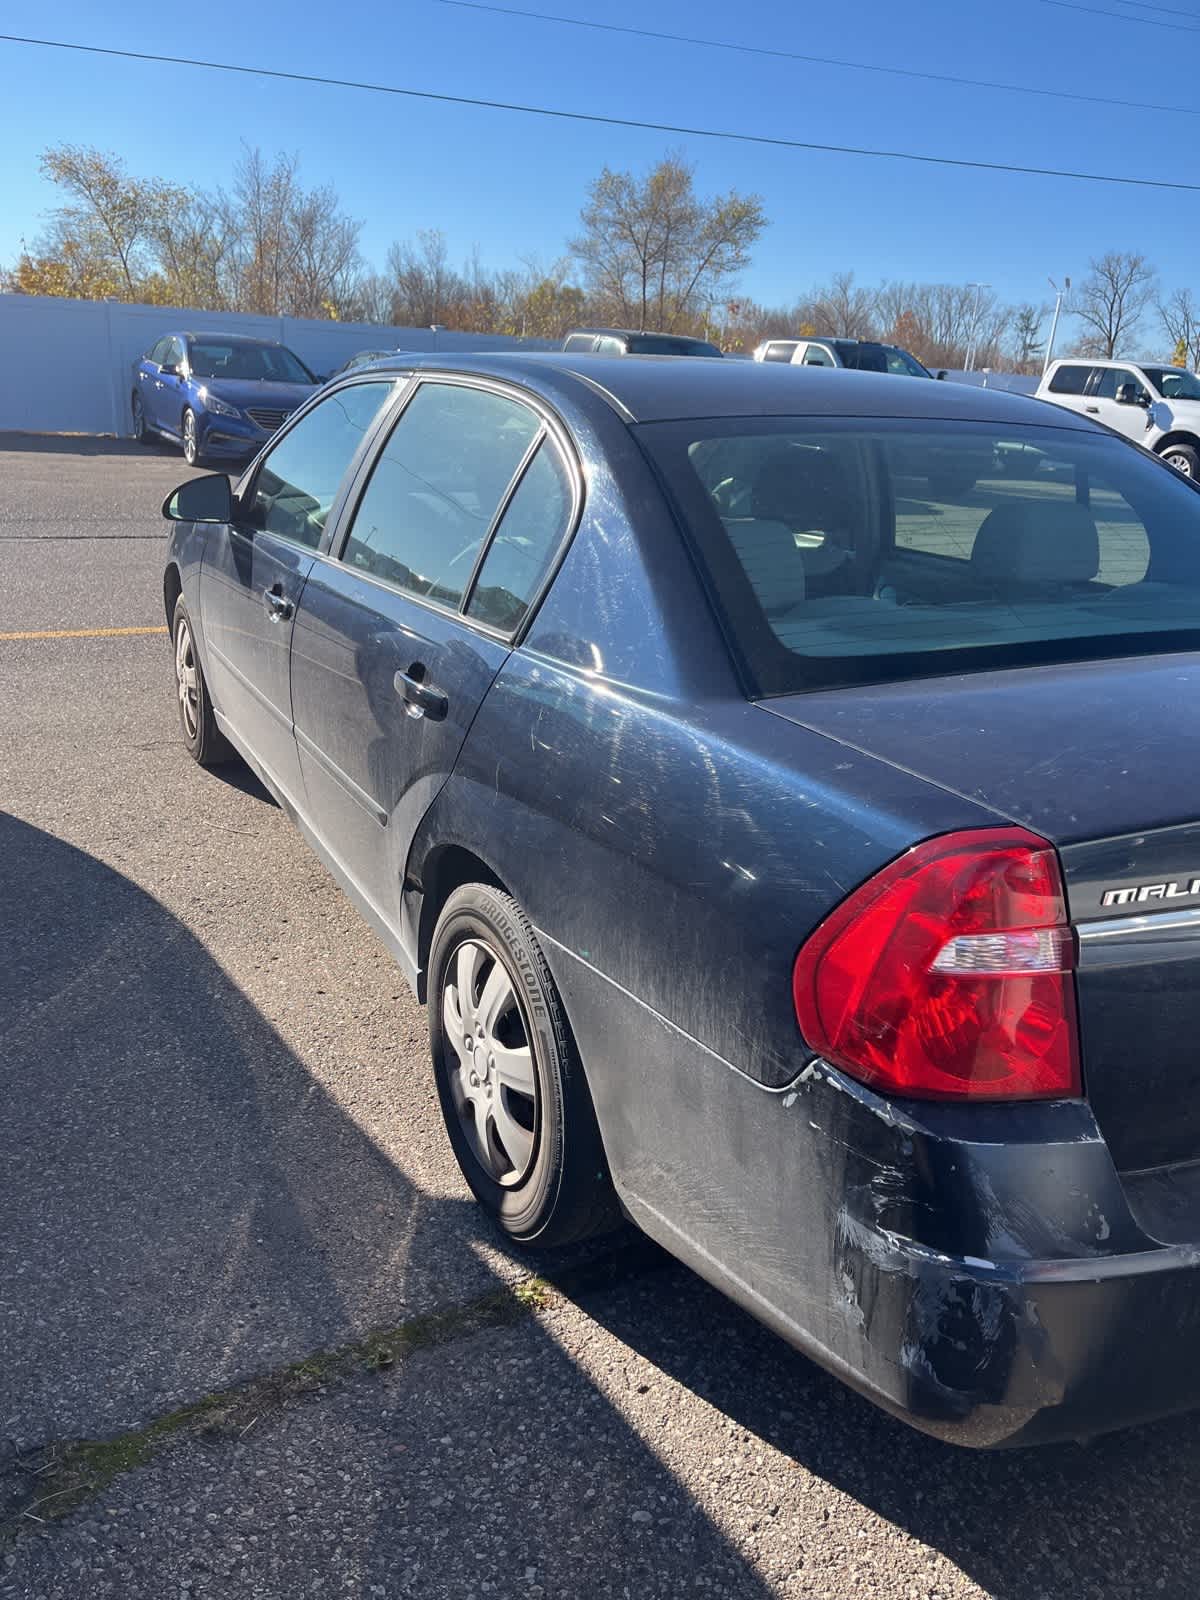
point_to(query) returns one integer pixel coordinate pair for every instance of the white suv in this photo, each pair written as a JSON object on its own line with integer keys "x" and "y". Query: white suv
{"x": 1157, "y": 407}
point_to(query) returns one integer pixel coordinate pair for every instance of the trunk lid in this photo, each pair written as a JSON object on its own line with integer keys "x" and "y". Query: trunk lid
{"x": 1101, "y": 759}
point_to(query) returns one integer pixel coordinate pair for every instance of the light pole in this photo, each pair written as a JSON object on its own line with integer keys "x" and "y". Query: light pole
{"x": 978, "y": 287}
{"x": 1058, "y": 300}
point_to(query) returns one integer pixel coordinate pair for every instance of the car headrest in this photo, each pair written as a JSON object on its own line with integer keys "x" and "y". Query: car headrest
{"x": 1037, "y": 542}
{"x": 768, "y": 554}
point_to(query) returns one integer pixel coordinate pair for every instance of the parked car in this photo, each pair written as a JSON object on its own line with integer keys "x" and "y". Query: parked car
{"x": 630, "y": 342}
{"x": 362, "y": 359}
{"x": 217, "y": 395}
{"x": 1157, "y": 407}
{"x": 806, "y": 873}
{"x": 855, "y": 355}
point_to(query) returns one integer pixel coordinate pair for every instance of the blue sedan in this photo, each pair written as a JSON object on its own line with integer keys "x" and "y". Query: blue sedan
{"x": 797, "y": 860}
{"x": 219, "y": 396}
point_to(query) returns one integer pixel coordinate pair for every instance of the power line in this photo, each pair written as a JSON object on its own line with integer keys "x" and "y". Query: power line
{"x": 1118, "y": 16}
{"x": 596, "y": 119}
{"x": 822, "y": 61}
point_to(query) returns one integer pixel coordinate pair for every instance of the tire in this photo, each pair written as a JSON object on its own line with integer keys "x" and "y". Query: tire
{"x": 205, "y": 741}
{"x": 1185, "y": 458}
{"x": 524, "y": 1133}
{"x": 141, "y": 432}
{"x": 191, "y": 439}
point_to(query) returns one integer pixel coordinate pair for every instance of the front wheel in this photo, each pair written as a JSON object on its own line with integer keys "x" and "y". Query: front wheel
{"x": 205, "y": 741}
{"x": 511, "y": 1085}
{"x": 191, "y": 440}
{"x": 1185, "y": 459}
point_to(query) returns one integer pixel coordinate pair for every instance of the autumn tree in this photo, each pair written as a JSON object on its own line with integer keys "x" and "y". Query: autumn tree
{"x": 1112, "y": 301}
{"x": 653, "y": 252}
{"x": 1180, "y": 318}
{"x": 105, "y": 233}
{"x": 842, "y": 309}
{"x": 294, "y": 253}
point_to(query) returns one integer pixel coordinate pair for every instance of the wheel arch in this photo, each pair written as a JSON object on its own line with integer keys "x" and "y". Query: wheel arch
{"x": 445, "y": 868}
{"x": 172, "y": 589}
{"x": 1176, "y": 436}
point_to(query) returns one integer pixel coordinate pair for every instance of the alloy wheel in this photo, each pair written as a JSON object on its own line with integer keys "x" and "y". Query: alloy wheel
{"x": 186, "y": 679}
{"x": 493, "y": 1077}
{"x": 139, "y": 419}
{"x": 1180, "y": 462}
{"x": 190, "y": 450}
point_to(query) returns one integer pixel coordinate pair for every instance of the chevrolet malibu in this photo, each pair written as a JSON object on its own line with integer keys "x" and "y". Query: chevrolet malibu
{"x": 804, "y": 869}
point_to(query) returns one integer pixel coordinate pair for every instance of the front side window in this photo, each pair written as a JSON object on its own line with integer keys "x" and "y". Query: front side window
{"x": 173, "y": 356}
{"x": 1111, "y": 379}
{"x": 1070, "y": 380}
{"x": 608, "y": 346}
{"x": 436, "y": 487}
{"x": 299, "y": 478}
{"x": 526, "y": 537}
{"x": 846, "y": 552}
{"x": 158, "y": 353}
{"x": 817, "y": 356}
{"x": 902, "y": 364}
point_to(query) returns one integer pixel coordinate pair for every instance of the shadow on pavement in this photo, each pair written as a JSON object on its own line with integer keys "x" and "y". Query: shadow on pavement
{"x": 1110, "y": 1519}
{"x": 82, "y": 444}
{"x": 185, "y": 1205}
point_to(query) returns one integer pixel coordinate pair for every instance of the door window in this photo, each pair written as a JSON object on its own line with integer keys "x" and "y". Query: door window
{"x": 1070, "y": 380}
{"x": 533, "y": 523}
{"x": 299, "y": 478}
{"x": 817, "y": 356}
{"x": 609, "y": 346}
{"x": 158, "y": 353}
{"x": 436, "y": 487}
{"x": 1111, "y": 379}
{"x": 780, "y": 350}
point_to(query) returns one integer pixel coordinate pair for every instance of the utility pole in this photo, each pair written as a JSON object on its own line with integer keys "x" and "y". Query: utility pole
{"x": 978, "y": 288}
{"x": 1058, "y": 300}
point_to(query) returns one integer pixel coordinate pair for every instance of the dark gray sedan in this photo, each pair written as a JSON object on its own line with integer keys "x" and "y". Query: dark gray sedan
{"x": 797, "y": 859}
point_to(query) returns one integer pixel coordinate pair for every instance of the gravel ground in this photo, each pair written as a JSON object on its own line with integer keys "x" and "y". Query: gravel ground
{"x": 222, "y": 1154}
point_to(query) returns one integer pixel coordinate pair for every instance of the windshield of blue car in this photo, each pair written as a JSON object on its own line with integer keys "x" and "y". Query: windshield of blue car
{"x": 1173, "y": 383}
{"x": 846, "y": 551}
{"x": 263, "y": 363}
{"x": 866, "y": 356}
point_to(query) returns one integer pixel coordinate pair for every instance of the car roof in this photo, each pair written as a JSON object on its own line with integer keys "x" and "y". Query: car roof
{"x": 664, "y": 388}
{"x": 1112, "y": 361}
{"x": 640, "y": 333}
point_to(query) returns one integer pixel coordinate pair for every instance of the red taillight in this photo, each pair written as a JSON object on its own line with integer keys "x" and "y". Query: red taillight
{"x": 948, "y": 975}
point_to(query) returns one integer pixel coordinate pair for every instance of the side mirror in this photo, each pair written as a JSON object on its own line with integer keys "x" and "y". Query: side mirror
{"x": 941, "y": 373}
{"x": 207, "y": 499}
{"x": 168, "y": 370}
{"x": 1132, "y": 394}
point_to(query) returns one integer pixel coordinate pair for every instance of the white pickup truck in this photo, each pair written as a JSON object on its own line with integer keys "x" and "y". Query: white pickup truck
{"x": 1157, "y": 407}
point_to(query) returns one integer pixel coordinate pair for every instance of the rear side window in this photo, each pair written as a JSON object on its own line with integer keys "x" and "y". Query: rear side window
{"x": 780, "y": 350}
{"x": 580, "y": 341}
{"x": 845, "y": 552}
{"x": 436, "y": 487}
{"x": 529, "y": 532}
{"x": 1070, "y": 380}
{"x": 817, "y": 356}
{"x": 299, "y": 478}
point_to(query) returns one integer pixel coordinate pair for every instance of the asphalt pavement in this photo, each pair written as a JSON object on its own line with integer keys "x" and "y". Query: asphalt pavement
{"x": 255, "y": 1338}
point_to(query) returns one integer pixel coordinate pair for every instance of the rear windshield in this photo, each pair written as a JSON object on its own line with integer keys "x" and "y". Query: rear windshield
{"x": 861, "y": 550}
{"x": 216, "y": 358}
{"x": 657, "y": 344}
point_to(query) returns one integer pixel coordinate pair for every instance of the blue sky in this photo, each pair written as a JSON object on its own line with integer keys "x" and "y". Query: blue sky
{"x": 512, "y": 185}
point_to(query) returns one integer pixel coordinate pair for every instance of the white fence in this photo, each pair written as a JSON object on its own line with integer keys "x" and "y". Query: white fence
{"x": 65, "y": 364}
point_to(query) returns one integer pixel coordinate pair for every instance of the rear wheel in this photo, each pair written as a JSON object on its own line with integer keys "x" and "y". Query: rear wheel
{"x": 1185, "y": 459}
{"x": 205, "y": 741}
{"x": 141, "y": 433}
{"x": 511, "y": 1085}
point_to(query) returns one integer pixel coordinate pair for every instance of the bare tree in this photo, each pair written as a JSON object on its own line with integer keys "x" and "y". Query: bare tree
{"x": 425, "y": 288}
{"x": 653, "y": 252}
{"x": 843, "y": 310}
{"x": 1180, "y": 318}
{"x": 1028, "y": 342}
{"x": 1112, "y": 301}
{"x": 195, "y": 240}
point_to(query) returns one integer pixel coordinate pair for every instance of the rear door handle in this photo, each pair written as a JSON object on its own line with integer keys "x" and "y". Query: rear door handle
{"x": 1094, "y": 410}
{"x": 421, "y": 698}
{"x": 279, "y": 607}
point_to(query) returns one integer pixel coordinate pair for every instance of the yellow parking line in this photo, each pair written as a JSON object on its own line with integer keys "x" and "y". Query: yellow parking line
{"x": 79, "y": 633}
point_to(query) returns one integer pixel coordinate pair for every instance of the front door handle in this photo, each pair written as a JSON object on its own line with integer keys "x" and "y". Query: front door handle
{"x": 421, "y": 698}
{"x": 279, "y": 607}
{"x": 1093, "y": 410}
